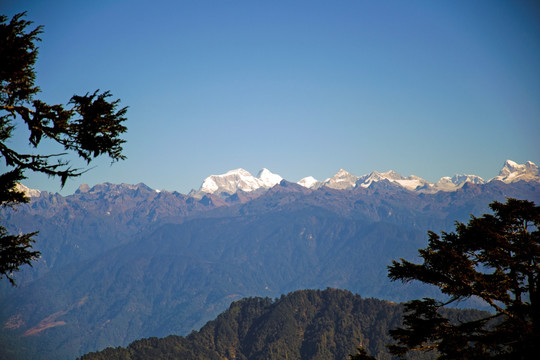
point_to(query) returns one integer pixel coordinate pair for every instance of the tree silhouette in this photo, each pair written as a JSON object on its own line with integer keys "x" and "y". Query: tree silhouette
{"x": 495, "y": 258}
{"x": 89, "y": 126}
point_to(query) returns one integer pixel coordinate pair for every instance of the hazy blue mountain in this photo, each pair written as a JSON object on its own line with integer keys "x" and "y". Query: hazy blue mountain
{"x": 82, "y": 225}
{"x": 122, "y": 262}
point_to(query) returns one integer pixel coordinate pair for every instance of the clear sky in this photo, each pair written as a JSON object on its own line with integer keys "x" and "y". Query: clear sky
{"x": 431, "y": 88}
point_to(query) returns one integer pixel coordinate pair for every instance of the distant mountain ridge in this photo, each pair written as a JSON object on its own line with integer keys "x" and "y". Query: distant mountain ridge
{"x": 120, "y": 262}
{"x": 241, "y": 180}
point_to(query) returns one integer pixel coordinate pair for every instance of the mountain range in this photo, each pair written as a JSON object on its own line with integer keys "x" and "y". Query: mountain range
{"x": 121, "y": 262}
{"x": 240, "y": 180}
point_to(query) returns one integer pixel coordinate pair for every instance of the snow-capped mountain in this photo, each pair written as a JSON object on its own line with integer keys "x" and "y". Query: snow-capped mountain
{"x": 512, "y": 172}
{"x": 411, "y": 182}
{"x": 238, "y": 179}
{"x": 343, "y": 180}
{"x": 453, "y": 183}
{"x": 268, "y": 178}
{"x": 461, "y": 179}
{"x": 310, "y": 182}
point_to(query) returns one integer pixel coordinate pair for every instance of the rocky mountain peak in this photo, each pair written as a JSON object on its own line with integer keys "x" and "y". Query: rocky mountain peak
{"x": 411, "y": 182}
{"x": 342, "y": 180}
{"x": 460, "y": 179}
{"x": 83, "y": 188}
{"x": 512, "y": 171}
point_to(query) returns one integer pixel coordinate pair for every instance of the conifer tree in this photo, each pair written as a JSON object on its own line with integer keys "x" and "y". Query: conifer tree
{"x": 89, "y": 126}
{"x": 495, "y": 258}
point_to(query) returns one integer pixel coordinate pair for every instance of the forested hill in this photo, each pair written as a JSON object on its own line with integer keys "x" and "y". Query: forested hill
{"x": 306, "y": 324}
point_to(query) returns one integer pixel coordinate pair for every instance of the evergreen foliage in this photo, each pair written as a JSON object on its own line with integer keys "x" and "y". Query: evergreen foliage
{"x": 306, "y": 324}
{"x": 361, "y": 355}
{"x": 89, "y": 127}
{"x": 495, "y": 258}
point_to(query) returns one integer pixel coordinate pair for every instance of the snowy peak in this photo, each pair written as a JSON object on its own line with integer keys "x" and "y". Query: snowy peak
{"x": 342, "y": 180}
{"x": 239, "y": 179}
{"x": 377, "y": 176}
{"x": 455, "y": 182}
{"x": 230, "y": 182}
{"x": 512, "y": 172}
{"x": 460, "y": 180}
{"x": 268, "y": 178}
{"x": 388, "y": 175}
{"x": 511, "y": 167}
{"x": 310, "y": 182}
{"x": 411, "y": 182}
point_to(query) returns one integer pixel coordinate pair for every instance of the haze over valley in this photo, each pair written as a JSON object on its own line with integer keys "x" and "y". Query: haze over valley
{"x": 120, "y": 262}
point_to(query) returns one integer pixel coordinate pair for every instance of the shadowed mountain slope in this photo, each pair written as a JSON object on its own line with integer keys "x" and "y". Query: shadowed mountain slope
{"x": 125, "y": 262}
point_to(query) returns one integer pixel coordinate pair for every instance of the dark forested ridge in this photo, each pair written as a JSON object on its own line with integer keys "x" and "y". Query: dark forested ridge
{"x": 122, "y": 262}
{"x": 306, "y": 324}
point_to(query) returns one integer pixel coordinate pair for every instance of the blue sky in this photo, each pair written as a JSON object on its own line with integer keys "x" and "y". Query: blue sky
{"x": 302, "y": 88}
